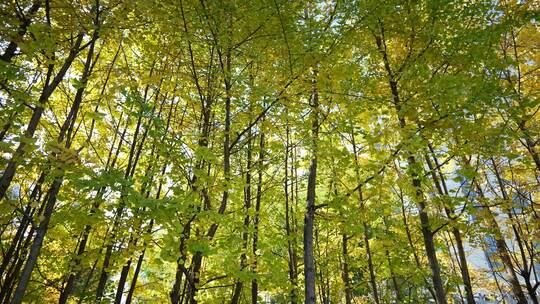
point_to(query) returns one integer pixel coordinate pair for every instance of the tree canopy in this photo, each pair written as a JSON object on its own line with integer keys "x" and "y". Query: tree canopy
{"x": 277, "y": 151}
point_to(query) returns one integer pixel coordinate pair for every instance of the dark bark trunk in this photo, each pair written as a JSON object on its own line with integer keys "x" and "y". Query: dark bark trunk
{"x": 494, "y": 274}
{"x": 37, "y": 243}
{"x": 13, "y": 271}
{"x": 309, "y": 216}
{"x": 291, "y": 246}
{"x": 133, "y": 157}
{"x": 237, "y": 288}
{"x": 440, "y": 185}
{"x": 64, "y": 294}
{"x": 106, "y": 260}
{"x": 11, "y": 281}
{"x": 345, "y": 268}
{"x": 175, "y": 291}
{"x": 65, "y": 135}
{"x": 514, "y": 281}
{"x": 430, "y": 251}
{"x": 134, "y": 238}
{"x": 137, "y": 270}
{"x": 25, "y": 221}
{"x": 111, "y": 162}
{"x": 295, "y": 198}
{"x": 464, "y": 268}
{"x": 371, "y": 269}
{"x": 74, "y": 275}
{"x": 419, "y": 199}
{"x": 122, "y": 282}
{"x": 502, "y": 250}
{"x": 411, "y": 244}
{"x": 397, "y": 289}
{"x": 25, "y": 22}
{"x": 197, "y": 258}
{"x": 320, "y": 281}
{"x": 48, "y": 89}
{"x": 260, "y": 163}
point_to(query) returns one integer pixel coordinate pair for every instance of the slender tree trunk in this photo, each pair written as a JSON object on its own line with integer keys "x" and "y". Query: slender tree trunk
{"x": 469, "y": 294}
{"x": 175, "y": 294}
{"x": 429, "y": 244}
{"x": 290, "y": 232}
{"x": 411, "y": 243}
{"x": 454, "y": 259}
{"x": 134, "y": 237}
{"x": 494, "y": 274}
{"x": 345, "y": 268}
{"x": 237, "y": 288}
{"x": 175, "y": 291}
{"x": 122, "y": 281}
{"x": 295, "y": 199}
{"x": 48, "y": 89}
{"x": 65, "y": 134}
{"x": 133, "y": 157}
{"x": 206, "y": 102}
{"x": 260, "y": 163}
{"x": 140, "y": 260}
{"x": 12, "y": 273}
{"x": 526, "y": 277}
{"x": 419, "y": 199}
{"x": 309, "y": 216}
{"x": 362, "y": 207}
{"x": 133, "y": 284}
{"x": 75, "y": 273}
{"x": 440, "y": 185}
{"x": 17, "y": 240}
{"x": 111, "y": 163}
{"x": 137, "y": 270}
{"x": 503, "y": 251}
{"x": 25, "y": 22}
{"x": 38, "y": 241}
{"x": 197, "y": 258}
{"x": 371, "y": 269}
{"x": 397, "y": 289}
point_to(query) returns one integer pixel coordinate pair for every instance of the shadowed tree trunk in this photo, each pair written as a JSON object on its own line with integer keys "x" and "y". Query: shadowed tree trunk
{"x": 260, "y": 163}
{"x": 50, "y": 85}
{"x": 66, "y": 134}
{"x": 416, "y": 183}
{"x": 309, "y": 216}
{"x": 440, "y": 185}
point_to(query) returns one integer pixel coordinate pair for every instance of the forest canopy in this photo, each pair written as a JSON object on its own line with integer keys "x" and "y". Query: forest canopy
{"x": 247, "y": 151}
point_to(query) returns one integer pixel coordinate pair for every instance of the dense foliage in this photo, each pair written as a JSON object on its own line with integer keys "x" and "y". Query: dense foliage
{"x": 275, "y": 151}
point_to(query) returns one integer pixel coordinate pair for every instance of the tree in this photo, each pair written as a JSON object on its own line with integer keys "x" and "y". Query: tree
{"x": 268, "y": 151}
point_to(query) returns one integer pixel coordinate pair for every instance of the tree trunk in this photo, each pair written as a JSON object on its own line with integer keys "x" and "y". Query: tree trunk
{"x": 65, "y": 134}
{"x": 140, "y": 260}
{"x": 362, "y": 207}
{"x": 260, "y": 163}
{"x": 440, "y": 185}
{"x": 518, "y": 292}
{"x": 25, "y": 22}
{"x": 345, "y": 269}
{"x": 289, "y": 231}
{"x": 419, "y": 199}
{"x": 237, "y": 288}
{"x": 197, "y": 258}
{"x": 309, "y": 216}
{"x": 48, "y": 89}
{"x": 134, "y": 153}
